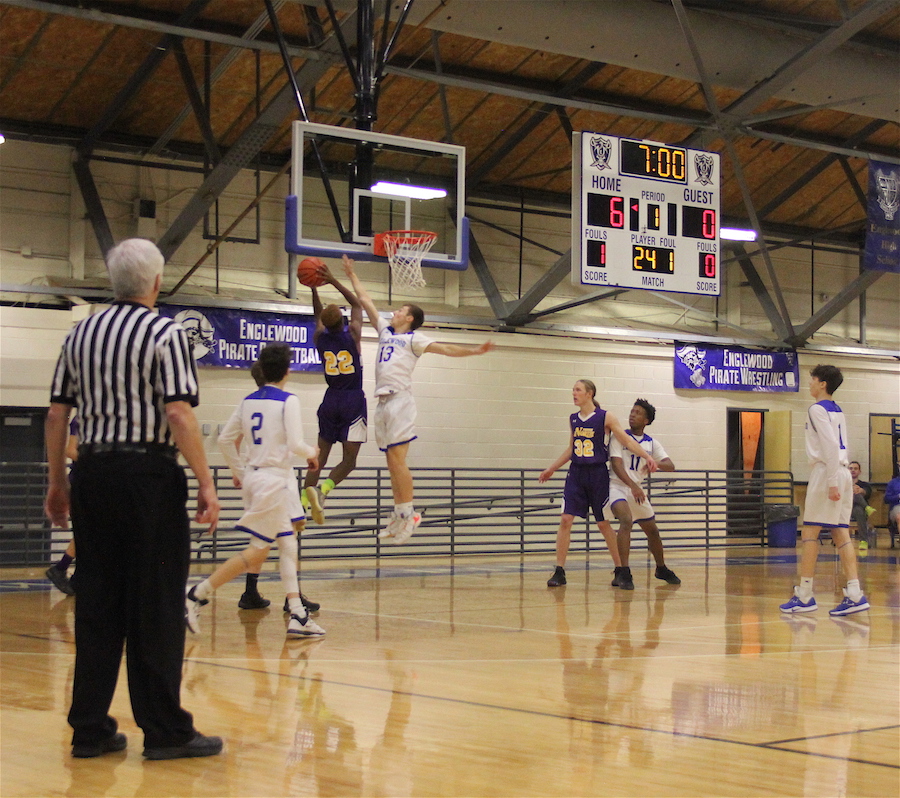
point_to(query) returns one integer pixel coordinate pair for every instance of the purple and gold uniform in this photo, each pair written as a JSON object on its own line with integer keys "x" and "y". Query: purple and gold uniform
{"x": 587, "y": 483}
{"x": 342, "y": 414}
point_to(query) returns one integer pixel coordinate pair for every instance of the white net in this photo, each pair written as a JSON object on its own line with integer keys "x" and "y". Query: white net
{"x": 405, "y": 250}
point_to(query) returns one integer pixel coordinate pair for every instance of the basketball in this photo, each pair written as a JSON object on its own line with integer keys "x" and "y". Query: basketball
{"x": 308, "y": 272}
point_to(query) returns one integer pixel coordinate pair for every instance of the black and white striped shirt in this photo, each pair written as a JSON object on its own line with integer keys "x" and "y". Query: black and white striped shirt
{"x": 119, "y": 368}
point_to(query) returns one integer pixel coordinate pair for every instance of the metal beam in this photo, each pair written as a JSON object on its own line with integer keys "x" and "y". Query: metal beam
{"x": 809, "y": 56}
{"x": 201, "y": 112}
{"x": 483, "y": 273}
{"x": 519, "y": 311}
{"x": 177, "y": 29}
{"x": 654, "y": 113}
{"x": 93, "y": 204}
{"x": 516, "y": 137}
{"x": 761, "y": 292}
{"x": 248, "y": 145}
{"x": 221, "y": 68}
{"x": 594, "y": 296}
{"x": 725, "y": 129}
{"x": 827, "y": 312}
{"x": 138, "y": 78}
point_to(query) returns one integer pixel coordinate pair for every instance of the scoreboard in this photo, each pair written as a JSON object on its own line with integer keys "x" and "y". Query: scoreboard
{"x": 645, "y": 215}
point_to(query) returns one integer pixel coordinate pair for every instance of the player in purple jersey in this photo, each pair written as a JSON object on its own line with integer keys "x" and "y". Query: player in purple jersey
{"x": 587, "y": 483}
{"x": 342, "y": 414}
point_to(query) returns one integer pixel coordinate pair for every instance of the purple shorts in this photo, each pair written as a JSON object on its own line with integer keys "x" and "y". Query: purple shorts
{"x": 587, "y": 487}
{"x": 343, "y": 416}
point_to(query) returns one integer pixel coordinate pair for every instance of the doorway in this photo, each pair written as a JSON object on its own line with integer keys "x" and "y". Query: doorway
{"x": 744, "y": 459}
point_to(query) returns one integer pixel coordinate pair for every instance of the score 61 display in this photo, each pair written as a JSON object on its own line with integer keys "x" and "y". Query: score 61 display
{"x": 645, "y": 215}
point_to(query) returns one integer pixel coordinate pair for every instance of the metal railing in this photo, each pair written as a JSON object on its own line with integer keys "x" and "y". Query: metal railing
{"x": 465, "y": 511}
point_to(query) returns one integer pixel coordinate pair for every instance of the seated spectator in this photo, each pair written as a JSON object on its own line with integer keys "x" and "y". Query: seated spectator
{"x": 862, "y": 492}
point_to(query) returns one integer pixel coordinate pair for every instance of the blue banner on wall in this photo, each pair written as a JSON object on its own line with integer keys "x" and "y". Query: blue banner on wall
{"x": 711, "y": 367}
{"x": 234, "y": 338}
{"x": 882, "y": 251}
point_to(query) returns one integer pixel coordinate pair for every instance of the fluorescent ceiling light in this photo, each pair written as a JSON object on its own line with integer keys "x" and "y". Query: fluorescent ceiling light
{"x": 403, "y": 190}
{"x": 736, "y": 234}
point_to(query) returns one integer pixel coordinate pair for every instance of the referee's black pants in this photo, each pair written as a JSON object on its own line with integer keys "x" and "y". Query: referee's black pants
{"x": 132, "y": 540}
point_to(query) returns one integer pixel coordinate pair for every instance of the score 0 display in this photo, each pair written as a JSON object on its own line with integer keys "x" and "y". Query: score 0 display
{"x": 645, "y": 215}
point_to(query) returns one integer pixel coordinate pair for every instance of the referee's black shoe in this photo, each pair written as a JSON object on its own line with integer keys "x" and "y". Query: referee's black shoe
{"x": 558, "y": 578}
{"x": 199, "y": 745}
{"x": 625, "y": 580}
{"x": 115, "y": 742}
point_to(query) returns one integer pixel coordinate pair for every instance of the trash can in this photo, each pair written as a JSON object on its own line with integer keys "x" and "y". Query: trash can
{"x": 781, "y": 520}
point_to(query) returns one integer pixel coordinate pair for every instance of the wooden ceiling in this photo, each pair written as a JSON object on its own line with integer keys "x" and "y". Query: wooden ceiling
{"x": 111, "y": 76}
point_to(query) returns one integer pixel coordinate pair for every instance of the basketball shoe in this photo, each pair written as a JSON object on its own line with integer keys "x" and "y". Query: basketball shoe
{"x": 797, "y": 605}
{"x": 848, "y": 606}
{"x": 558, "y": 578}
{"x": 303, "y": 627}
{"x": 407, "y": 527}
{"x": 192, "y": 607}
{"x": 316, "y": 502}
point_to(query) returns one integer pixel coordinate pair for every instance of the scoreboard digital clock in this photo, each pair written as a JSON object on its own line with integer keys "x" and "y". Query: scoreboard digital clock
{"x": 645, "y": 215}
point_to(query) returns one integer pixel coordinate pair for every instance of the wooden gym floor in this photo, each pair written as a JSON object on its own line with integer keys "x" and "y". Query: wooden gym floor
{"x": 469, "y": 677}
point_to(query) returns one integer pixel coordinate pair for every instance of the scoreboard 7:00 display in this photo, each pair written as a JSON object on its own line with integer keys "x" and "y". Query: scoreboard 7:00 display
{"x": 645, "y": 215}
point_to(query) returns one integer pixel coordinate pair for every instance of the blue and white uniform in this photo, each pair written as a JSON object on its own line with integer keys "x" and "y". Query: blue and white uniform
{"x": 587, "y": 483}
{"x": 637, "y": 469}
{"x": 826, "y": 452}
{"x": 343, "y": 414}
{"x": 270, "y": 422}
{"x": 395, "y": 413}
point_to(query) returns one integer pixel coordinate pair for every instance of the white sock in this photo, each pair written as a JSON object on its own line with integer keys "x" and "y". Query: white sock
{"x": 805, "y": 590}
{"x": 854, "y": 592}
{"x": 404, "y": 510}
{"x": 297, "y": 608}
{"x": 203, "y": 590}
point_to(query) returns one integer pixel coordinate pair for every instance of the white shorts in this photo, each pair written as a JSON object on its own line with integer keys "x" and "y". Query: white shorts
{"x": 271, "y": 504}
{"x": 395, "y": 420}
{"x": 618, "y": 493}
{"x": 819, "y": 510}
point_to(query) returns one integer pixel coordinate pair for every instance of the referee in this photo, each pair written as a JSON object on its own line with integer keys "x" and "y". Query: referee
{"x": 130, "y": 375}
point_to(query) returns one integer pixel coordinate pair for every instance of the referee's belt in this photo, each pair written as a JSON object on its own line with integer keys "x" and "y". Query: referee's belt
{"x": 158, "y": 449}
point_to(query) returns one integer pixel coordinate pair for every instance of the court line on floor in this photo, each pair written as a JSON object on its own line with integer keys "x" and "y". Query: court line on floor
{"x": 554, "y": 716}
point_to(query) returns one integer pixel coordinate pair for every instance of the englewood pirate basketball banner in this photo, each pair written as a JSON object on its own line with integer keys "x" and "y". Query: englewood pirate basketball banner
{"x": 234, "y": 338}
{"x": 882, "y": 251}
{"x": 712, "y": 367}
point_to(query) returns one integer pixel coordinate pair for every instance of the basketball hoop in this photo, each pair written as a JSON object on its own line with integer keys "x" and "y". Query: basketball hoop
{"x": 404, "y": 250}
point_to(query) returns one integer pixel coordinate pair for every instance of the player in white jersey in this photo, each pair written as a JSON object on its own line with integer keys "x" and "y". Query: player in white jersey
{"x": 270, "y": 423}
{"x": 400, "y": 345}
{"x": 627, "y": 500}
{"x": 829, "y": 496}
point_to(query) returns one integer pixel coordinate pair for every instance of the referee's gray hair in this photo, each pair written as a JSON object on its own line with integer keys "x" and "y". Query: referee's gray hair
{"x": 133, "y": 265}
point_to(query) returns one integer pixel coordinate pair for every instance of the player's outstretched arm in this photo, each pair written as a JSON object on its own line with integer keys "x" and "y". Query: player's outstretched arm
{"x": 356, "y": 308}
{"x": 363, "y": 295}
{"x": 613, "y": 426}
{"x": 458, "y": 350}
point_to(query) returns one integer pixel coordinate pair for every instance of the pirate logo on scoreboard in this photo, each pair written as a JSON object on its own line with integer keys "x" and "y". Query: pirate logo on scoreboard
{"x": 200, "y": 332}
{"x": 888, "y": 186}
{"x": 695, "y": 360}
{"x": 600, "y": 151}
{"x": 704, "y": 164}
